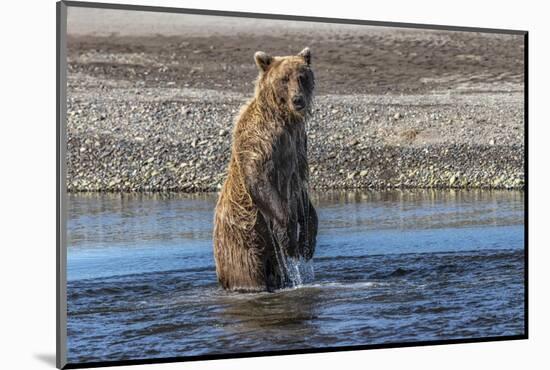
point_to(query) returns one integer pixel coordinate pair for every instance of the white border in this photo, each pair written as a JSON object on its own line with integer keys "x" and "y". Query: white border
{"x": 28, "y": 183}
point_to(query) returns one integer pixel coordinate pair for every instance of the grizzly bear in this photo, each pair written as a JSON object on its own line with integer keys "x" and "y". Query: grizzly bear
{"x": 264, "y": 218}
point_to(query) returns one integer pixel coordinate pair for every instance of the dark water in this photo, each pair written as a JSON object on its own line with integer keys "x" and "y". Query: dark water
{"x": 389, "y": 267}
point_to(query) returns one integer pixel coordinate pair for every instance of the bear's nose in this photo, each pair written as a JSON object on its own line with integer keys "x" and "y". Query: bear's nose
{"x": 298, "y": 102}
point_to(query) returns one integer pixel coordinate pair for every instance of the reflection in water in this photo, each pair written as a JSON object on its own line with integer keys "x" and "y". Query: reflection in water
{"x": 422, "y": 208}
{"x": 391, "y": 266}
{"x": 290, "y": 313}
{"x": 415, "y": 196}
{"x": 104, "y": 219}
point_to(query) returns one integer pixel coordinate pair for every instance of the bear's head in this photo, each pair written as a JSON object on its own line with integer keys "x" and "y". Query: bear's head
{"x": 286, "y": 83}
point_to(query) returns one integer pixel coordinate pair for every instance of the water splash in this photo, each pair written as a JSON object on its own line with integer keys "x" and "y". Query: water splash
{"x": 300, "y": 271}
{"x": 293, "y": 272}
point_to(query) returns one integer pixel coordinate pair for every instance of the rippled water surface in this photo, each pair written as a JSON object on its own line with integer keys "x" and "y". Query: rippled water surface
{"x": 389, "y": 267}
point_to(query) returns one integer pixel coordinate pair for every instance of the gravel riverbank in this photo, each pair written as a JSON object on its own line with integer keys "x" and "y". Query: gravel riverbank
{"x": 394, "y": 108}
{"x": 179, "y": 140}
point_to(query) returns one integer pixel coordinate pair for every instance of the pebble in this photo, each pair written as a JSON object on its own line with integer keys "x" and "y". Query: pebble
{"x": 452, "y": 180}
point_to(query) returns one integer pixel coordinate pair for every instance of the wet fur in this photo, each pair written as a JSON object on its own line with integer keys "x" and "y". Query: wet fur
{"x": 264, "y": 205}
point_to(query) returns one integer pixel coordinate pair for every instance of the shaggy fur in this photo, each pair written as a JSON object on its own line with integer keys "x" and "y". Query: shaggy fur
{"x": 264, "y": 214}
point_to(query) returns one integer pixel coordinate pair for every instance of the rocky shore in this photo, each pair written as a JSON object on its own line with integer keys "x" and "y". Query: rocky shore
{"x": 179, "y": 140}
{"x": 393, "y": 109}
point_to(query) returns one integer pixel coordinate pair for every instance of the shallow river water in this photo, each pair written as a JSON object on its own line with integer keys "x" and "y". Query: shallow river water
{"x": 390, "y": 267}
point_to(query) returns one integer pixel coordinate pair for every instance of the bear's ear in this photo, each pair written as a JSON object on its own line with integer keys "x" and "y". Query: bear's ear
{"x": 262, "y": 60}
{"x": 306, "y": 54}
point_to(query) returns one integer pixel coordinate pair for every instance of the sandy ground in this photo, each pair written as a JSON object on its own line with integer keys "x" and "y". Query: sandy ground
{"x": 152, "y": 100}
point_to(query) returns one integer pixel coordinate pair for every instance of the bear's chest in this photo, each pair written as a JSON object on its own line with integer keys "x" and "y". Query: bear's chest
{"x": 285, "y": 147}
{"x": 287, "y": 156}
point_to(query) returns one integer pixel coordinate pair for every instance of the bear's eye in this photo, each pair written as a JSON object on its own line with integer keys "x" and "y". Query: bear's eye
{"x": 285, "y": 79}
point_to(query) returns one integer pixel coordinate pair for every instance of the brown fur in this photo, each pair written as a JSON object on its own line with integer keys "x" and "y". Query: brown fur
{"x": 264, "y": 214}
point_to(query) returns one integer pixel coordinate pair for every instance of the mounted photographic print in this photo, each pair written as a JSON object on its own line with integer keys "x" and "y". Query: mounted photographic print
{"x": 235, "y": 184}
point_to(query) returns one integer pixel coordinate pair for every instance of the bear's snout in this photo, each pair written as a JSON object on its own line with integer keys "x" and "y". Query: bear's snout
{"x": 299, "y": 102}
